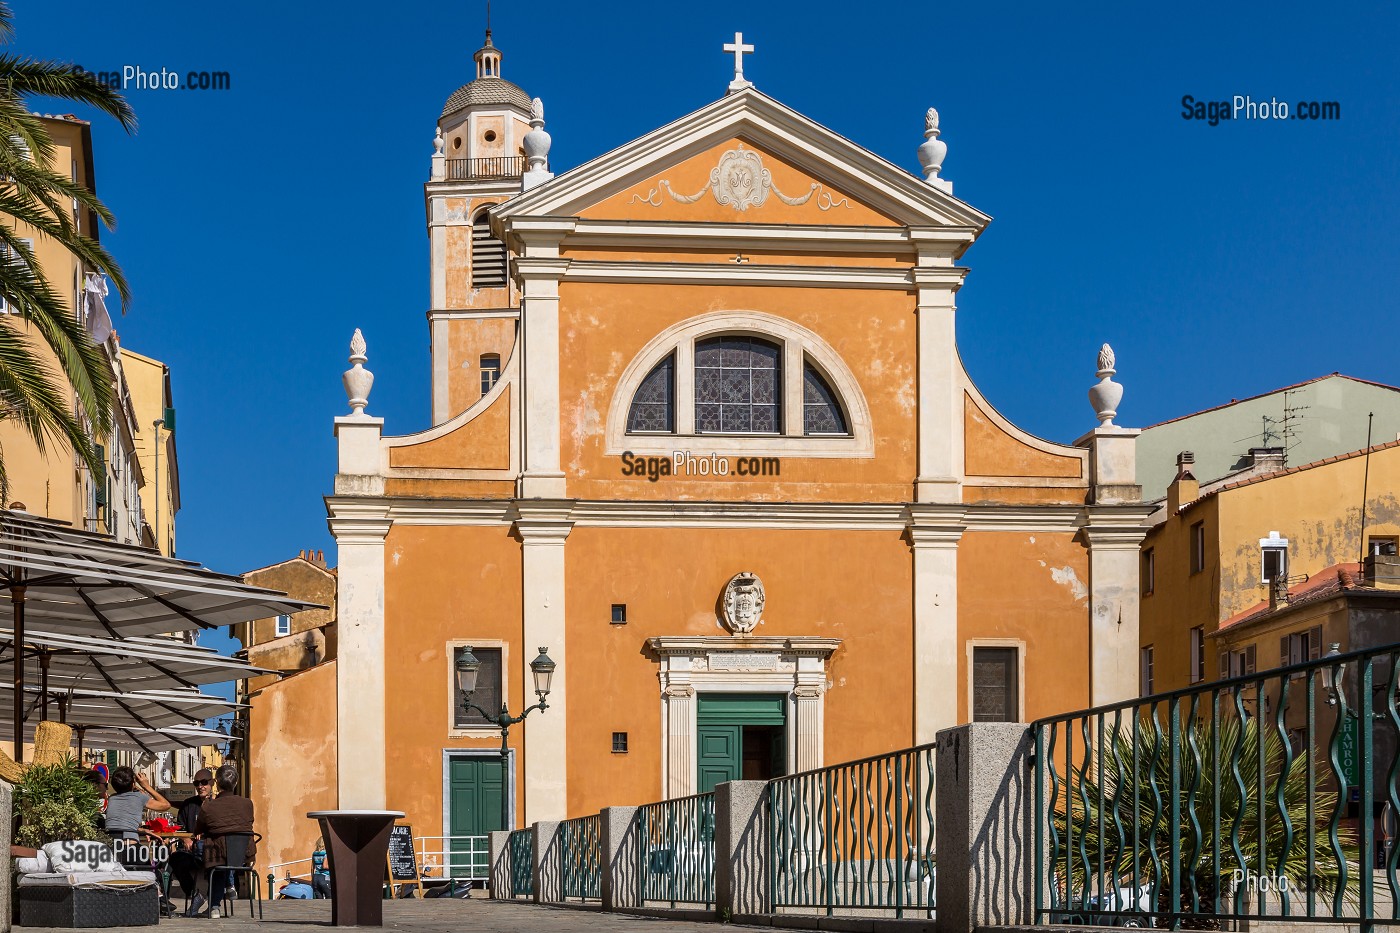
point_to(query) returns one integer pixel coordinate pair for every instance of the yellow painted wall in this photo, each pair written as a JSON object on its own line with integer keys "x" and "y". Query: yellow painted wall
{"x": 146, "y": 379}
{"x": 1180, "y": 599}
{"x": 468, "y": 340}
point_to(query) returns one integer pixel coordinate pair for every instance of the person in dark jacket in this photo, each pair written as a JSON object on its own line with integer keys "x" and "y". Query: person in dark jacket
{"x": 187, "y": 861}
{"x": 226, "y": 813}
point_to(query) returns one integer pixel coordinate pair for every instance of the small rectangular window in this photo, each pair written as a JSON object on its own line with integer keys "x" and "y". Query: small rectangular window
{"x": 284, "y": 626}
{"x": 1145, "y": 672}
{"x": 619, "y": 743}
{"x": 1149, "y": 571}
{"x": 1275, "y": 564}
{"x": 1385, "y": 546}
{"x": 1198, "y": 547}
{"x": 490, "y": 371}
{"x": 1198, "y": 654}
{"x": 619, "y": 613}
{"x": 996, "y": 694}
{"x": 487, "y": 695}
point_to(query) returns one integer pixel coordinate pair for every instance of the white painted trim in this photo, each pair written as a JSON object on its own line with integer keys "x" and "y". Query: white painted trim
{"x": 459, "y": 314}
{"x": 485, "y": 730}
{"x": 797, "y": 670}
{"x": 815, "y": 238}
{"x": 1020, "y": 646}
{"x": 509, "y": 790}
{"x": 754, "y": 273}
{"x": 860, "y": 443}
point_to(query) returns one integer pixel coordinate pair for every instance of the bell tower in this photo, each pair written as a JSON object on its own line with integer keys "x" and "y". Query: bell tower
{"x": 479, "y": 160}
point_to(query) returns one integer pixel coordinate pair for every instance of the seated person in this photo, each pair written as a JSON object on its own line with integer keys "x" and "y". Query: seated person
{"x": 131, "y": 798}
{"x": 226, "y": 813}
{"x": 187, "y": 859}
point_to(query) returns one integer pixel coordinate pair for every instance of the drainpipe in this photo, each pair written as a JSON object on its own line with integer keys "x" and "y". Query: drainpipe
{"x": 159, "y": 422}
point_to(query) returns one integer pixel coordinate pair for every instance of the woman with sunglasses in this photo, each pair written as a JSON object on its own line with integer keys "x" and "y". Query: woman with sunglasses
{"x": 187, "y": 861}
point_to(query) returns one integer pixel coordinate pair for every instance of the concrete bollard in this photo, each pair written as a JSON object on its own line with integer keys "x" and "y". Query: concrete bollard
{"x": 6, "y": 879}
{"x": 984, "y": 799}
{"x": 499, "y": 880}
{"x": 741, "y": 850}
{"x": 549, "y": 888}
{"x": 621, "y": 842}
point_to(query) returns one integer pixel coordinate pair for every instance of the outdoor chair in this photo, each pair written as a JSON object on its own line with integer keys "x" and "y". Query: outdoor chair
{"x": 236, "y": 855}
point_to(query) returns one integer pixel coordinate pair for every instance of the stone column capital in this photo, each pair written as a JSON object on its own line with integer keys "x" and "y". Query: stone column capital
{"x": 543, "y": 521}
{"x": 935, "y": 525}
{"x": 358, "y": 522}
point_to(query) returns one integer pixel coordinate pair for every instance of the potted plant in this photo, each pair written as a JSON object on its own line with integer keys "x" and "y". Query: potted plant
{"x": 55, "y": 803}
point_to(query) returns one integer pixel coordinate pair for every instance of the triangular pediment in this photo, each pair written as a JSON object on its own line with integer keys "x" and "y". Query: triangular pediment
{"x": 745, "y": 158}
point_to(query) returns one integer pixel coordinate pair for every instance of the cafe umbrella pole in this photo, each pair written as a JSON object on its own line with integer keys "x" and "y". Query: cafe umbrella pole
{"x": 17, "y": 600}
{"x": 542, "y": 669}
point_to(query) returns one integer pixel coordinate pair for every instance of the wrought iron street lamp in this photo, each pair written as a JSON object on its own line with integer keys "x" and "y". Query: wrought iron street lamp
{"x": 467, "y": 667}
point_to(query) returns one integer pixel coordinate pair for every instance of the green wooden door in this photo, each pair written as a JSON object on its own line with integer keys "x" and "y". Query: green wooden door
{"x": 720, "y": 721}
{"x": 721, "y": 755}
{"x": 475, "y": 796}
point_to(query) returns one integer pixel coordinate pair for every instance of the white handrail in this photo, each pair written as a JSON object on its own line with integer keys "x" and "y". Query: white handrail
{"x": 457, "y": 858}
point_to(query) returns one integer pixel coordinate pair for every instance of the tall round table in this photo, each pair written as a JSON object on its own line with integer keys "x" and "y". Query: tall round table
{"x": 357, "y": 845}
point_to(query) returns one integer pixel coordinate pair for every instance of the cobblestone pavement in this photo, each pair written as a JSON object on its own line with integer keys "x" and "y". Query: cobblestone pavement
{"x": 432, "y": 916}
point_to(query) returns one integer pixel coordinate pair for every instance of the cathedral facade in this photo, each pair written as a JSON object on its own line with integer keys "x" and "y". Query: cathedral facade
{"x": 701, "y": 430}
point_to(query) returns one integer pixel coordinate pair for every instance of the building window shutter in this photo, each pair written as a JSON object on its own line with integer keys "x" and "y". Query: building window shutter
{"x": 1249, "y": 660}
{"x": 1225, "y": 665}
{"x": 488, "y": 255}
{"x": 995, "y": 691}
{"x": 1315, "y": 643}
{"x": 1283, "y": 654}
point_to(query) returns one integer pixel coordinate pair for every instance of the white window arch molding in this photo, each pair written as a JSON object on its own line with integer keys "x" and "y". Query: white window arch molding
{"x": 799, "y": 346}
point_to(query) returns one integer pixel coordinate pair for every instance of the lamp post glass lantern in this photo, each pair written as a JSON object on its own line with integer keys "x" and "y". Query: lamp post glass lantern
{"x": 466, "y": 669}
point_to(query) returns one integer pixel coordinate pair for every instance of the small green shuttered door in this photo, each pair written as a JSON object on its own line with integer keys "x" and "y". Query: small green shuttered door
{"x": 720, "y": 721}
{"x": 475, "y": 788}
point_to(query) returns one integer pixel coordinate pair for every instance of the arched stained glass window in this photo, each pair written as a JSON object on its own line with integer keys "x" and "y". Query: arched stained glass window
{"x": 738, "y": 386}
{"x": 654, "y": 404}
{"x": 821, "y": 408}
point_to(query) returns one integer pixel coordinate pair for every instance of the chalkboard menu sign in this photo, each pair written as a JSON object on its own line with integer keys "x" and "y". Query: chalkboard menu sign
{"x": 403, "y": 864}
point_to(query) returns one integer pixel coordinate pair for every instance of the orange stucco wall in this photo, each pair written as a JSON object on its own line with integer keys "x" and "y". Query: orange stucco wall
{"x": 292, "y": 742}
{"x": 603, "y": 326}
{"x": 613, "y": 681}
{"x": 989, "y": 451}
{"x": 482, "y": 443}
{"x": 1032, "y": 589}
{"x": 647, "y": 199}
{"x": 442, "y": 584}
{"x": 467, "y": 341}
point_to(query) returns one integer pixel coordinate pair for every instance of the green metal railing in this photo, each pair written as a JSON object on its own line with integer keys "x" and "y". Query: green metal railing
{"x": 1244, "y": 798}
{"x": 678, "y": 850}
{"x": 521, "y": 846}
{"x": 580, "y": 845}
{"x": 855, "y": 836}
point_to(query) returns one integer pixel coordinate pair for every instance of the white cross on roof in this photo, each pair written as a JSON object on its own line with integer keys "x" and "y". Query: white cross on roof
{"x": 738, "y": 48}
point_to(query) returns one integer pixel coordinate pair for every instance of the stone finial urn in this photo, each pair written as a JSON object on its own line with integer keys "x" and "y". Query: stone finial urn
{"x": 933, "y": 150}
{"x": 536, "y": 142}
{"x": 1106, "y": 395}
{"x": 357, "y": 380}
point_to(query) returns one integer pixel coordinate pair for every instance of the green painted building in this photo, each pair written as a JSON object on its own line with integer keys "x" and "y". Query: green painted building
{"x": 1307, "y": 422}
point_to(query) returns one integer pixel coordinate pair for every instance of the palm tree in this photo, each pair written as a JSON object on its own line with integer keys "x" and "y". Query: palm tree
{"x": 1124, "y": 812}
{"x": 35, "y": 197}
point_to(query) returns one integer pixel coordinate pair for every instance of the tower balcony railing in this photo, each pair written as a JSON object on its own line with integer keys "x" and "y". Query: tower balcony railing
{"x": 480, "y": 169}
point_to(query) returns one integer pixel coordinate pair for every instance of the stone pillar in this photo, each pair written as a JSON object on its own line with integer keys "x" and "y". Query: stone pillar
{"x": 622, "y": 844}
{"x": 543, "y": 528}
{"x": 500, "y": 864}
{"x": 741, "y": 850}
{"x": 359, "y": 522}
{"x": 1114, "y": 537}
{"x": 984, "y": 799}
{"x": 547, "y": 870}
{"x": 934, "y": 532}
{"x": 807, "y": 711}
{"x": 539, "y": 269}
{"x": 680, "y": 740}
{"x": 7, "y": 865}
{"x": 940, "y": 398}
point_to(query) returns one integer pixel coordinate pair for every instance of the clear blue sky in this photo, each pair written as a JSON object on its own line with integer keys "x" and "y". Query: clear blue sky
{"x": 260, "y": 225}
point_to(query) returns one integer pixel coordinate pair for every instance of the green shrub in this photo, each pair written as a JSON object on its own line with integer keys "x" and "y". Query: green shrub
{"x": 55, "y": 803}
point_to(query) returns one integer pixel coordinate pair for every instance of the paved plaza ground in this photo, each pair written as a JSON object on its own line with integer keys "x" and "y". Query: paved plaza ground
{"x": 433, "y": 916}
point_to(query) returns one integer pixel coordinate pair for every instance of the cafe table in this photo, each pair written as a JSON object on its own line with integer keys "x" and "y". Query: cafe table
{"x": 357, "y": 846}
